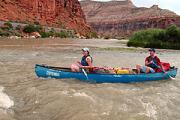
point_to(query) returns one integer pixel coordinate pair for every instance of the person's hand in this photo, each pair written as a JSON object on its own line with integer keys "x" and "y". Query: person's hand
{"x": 151, "y": 62}
{"x": 80, "y": 66}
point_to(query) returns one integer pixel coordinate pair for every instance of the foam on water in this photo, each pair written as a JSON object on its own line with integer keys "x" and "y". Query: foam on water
{"x": 82, "y": 94}
{"x": 36, "y": 54}
{"x": 150, "y": 110}
{"x": 5, "y": 101}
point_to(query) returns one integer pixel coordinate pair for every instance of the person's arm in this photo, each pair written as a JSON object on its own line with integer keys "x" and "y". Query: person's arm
{"x": 89, "y": 61}
{"x": 147, "y": 62}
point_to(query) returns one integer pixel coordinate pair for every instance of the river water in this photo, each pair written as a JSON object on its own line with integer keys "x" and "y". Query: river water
{"x": 24, "y": 96}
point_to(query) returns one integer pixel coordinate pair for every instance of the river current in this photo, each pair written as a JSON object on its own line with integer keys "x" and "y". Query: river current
{"x": 24, "y": 96}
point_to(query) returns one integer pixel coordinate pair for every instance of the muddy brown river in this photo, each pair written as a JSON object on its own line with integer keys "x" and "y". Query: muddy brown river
{"x": 24, "y": 96}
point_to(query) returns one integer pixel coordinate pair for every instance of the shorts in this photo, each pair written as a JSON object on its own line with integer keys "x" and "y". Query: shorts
{"x": 143, "y": 69}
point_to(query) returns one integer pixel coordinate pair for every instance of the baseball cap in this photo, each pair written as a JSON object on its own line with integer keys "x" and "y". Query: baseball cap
{"x": 152, "y": 49}
{"x": 85, "y": 49}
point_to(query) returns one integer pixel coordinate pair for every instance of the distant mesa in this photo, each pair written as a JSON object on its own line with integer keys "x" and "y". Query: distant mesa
{"x": 122, "y": 18}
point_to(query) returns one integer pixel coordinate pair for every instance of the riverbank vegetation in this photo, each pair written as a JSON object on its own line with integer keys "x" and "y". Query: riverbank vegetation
{"x": 45, "y": 33}
{"x": 8, "y": 30}
{"x": 168, "y": 38}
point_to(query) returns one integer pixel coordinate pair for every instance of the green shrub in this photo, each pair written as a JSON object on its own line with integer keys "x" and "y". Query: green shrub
{"x": 157, "y": 38}
{"x": 29, "y": 28}
{"x": 162, "y": 35}
{"x": 46, "y": 34}
{"x": 172, "y": 31}
{"x": 39, "y": 28}
{"x": 8, "y": 25}
{"x": 178, "y": 34}
{"x": 18, "y": 27}
{"x": 32, "y": 28}
{"x": 16, "y": 33}
{"x": 52, "y": 30}
{"x": 62, "y": 34}
{"x": 92, "y": 35}
{"x": 4, "y": 33}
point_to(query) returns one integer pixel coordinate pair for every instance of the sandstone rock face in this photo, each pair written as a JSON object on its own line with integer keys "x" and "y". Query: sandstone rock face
{"x": 59, "y": 13}
{"x": 122, "y": 18}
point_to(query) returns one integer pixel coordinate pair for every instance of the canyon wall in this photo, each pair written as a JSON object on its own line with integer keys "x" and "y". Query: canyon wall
{"x": 58, "y": 13}
{"x": 122, "y": 18}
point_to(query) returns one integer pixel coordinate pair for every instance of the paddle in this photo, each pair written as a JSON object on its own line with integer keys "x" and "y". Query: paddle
{"x": 85, "y": 73}
{"x": 44, "y": 65}
{"x": 66, "y": 69}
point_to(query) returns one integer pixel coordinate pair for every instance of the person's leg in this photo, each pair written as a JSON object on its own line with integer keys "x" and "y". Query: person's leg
{"x": 143, "y": 69}
{"x": 138, "y": 67}
{"x": 75, "y": 68}
{"x": 147, "y": 69}
{"x": 151, "y": 70}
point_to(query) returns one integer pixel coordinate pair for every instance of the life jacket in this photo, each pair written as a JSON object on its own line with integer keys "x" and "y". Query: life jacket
{"x": 155, "y": 63}
{"x": 84, "y": 62}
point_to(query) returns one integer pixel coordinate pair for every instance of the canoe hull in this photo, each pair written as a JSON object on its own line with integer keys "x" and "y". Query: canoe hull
{"x": 48, "y": 72}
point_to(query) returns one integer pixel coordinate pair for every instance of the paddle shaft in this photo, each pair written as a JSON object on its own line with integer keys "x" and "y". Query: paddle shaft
{"x": 85, "y": 73}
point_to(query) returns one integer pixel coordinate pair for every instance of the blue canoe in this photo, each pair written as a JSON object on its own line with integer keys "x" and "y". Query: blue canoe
{"x": 61, "y": 73}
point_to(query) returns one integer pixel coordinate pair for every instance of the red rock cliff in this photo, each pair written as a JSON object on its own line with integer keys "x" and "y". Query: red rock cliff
{"x": 59, "y": 13}
{"x": 122, "y": 18}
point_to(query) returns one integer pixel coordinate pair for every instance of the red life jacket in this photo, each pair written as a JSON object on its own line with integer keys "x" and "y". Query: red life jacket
{"x": 157, "y": 62}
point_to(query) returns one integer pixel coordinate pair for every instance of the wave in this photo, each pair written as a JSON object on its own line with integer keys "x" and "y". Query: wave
{"x": 5, "y": 101}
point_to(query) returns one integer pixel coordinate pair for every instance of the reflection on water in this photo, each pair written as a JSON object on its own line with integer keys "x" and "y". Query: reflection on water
{"x": 37, "y": 99}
